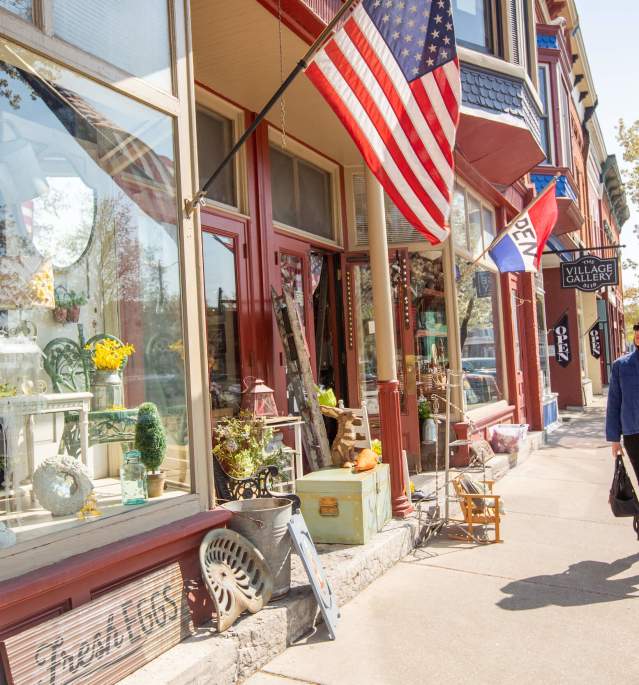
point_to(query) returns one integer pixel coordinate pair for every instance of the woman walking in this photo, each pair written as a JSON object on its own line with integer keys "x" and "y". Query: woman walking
{"x": 622, "y": 414}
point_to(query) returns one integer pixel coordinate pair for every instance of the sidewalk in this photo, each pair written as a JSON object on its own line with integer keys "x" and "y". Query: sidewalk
{"x": 553, "y": 604}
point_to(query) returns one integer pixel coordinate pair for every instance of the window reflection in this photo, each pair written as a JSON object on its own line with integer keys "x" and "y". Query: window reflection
{"x": 472, "y": 23}
{"x": 222, "y": 324}
{"x": 88, "y": 208}
{"x": 479, "y": 330}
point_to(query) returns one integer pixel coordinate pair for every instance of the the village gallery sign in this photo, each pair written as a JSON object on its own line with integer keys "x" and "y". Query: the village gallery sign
{"x": 106, "y": 639}
{"x": 589, "y": 273}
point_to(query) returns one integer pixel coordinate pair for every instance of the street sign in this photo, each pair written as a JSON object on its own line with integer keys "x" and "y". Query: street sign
{"x": 589, "y": 273}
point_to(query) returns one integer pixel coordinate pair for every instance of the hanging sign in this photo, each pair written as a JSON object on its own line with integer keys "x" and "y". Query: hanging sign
{"x": 594, "y": 336}
{"x": 103, "y": 640}
{"x": 563, "y": 354}
{"x": 589, "y": 273}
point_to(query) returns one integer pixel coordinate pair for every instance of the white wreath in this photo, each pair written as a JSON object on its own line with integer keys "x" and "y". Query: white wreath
{"x": 62, "y": 499}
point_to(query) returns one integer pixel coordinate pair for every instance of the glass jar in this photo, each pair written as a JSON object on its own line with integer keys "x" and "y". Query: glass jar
{"x": 133, "y": 479}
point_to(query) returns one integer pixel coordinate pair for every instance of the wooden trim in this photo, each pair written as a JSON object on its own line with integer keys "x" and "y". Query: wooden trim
{"x": 51, "y": 48}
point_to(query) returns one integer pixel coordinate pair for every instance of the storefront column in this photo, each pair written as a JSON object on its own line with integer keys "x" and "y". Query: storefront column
{"x": 388, "y": 385}
{"x": 533, "y": 380}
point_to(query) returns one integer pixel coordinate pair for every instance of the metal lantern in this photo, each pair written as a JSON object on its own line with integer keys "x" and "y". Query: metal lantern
{"x": 259, "y": 400}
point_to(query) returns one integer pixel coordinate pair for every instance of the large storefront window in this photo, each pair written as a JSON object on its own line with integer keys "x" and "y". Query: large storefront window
{"x": 478, "y": 300}
{"x": 90, "y": 300}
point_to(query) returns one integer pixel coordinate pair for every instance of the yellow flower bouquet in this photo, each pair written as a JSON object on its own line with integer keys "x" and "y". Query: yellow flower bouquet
{"x": 110, "y": 355}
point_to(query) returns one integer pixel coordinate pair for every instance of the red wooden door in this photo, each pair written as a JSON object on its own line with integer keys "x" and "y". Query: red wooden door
{"x": 292, "y": 270}
{"x": 228, "y": 329}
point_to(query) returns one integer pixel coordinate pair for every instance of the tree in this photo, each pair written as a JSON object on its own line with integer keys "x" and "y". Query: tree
{"x": 150, "y": 437}
{"x": 628, "y": 137}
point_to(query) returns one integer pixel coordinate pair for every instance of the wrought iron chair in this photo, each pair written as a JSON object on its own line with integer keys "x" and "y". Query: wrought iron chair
{"x": 70, "y": 367}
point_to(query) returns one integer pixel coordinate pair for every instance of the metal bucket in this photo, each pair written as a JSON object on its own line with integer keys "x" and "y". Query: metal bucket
{"x": 264, "y": 521}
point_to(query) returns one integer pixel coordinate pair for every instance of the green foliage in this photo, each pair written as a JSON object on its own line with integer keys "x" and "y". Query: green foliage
{"x": 150, "y": 436}
{"x": 240, "y": 445}
{"x": 76, "y": 299}
{"x": 423, "y": 408}
{"x": 631, "y": 310}
{"x": 628, "y": 137}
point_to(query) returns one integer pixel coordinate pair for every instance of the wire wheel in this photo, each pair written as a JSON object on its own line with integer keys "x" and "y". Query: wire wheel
{"x": 236, "y": 575}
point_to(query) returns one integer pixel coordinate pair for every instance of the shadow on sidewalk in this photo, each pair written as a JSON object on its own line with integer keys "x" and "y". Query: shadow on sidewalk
{"x": 586, "y": 582}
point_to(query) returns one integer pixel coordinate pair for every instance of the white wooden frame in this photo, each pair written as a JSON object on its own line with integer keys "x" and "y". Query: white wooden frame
{"x": 299, "y": 150}
{"x": 37, "y": 37}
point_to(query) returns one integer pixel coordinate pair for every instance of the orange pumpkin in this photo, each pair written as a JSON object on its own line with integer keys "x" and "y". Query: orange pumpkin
{"x": 365, "y": 460}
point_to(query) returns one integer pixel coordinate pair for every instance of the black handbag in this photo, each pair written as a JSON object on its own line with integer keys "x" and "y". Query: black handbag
{"x": 623, "y": 500}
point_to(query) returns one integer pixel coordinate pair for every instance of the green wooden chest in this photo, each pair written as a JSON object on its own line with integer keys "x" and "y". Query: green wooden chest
{"x": 340, "y": 506}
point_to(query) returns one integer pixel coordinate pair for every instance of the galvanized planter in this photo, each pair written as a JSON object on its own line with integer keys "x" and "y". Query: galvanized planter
{"x": 264, "y": 521}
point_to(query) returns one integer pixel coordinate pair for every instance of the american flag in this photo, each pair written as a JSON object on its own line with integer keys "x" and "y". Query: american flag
{"x": 391, "y": 75}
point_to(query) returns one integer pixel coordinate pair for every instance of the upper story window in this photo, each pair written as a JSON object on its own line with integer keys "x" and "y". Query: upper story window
{"x": 546, "y": 116}
{"x": 214, "y": 140}
{"x": 301, "y": 194}
{"x": 474, "y": 24}
{"x": 23, "y": 8}
{"x": 472, "y": 222}
{"x": 564, "y": 113}
{"x": 111, "y": 31}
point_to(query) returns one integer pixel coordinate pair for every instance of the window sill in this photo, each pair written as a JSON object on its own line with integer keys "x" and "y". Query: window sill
{"x": 50, "y": 549}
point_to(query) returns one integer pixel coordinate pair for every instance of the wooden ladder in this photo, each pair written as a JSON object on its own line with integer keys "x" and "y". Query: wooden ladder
{"x": 300, "y": 379}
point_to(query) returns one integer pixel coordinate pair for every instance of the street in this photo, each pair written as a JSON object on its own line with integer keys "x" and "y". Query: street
{"x": 552, "y": 604}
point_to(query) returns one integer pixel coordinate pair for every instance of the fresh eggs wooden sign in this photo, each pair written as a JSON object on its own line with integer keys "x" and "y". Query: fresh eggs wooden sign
{"x": 104, "y": 640}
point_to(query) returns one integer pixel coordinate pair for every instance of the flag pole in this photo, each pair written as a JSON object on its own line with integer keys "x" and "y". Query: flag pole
{"x": 503, "y": 234}
{"x": 190, "y": 205}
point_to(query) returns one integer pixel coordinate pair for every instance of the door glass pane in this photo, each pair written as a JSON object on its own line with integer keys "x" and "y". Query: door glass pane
{"x": 365, "y": 337}
{"x": 214, "y": 140}
{"x": 23, "y": 8}
{"x": 292, "y": 270}
{"x": 479, "y": 330}
{"x": 133, "y": 36}
{"x": 429, "y": 308}
{"x": 515, "y": 304}
{"x": 222, "y": 324}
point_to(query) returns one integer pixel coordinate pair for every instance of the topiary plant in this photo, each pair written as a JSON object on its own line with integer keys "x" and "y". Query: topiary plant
{"x": 150, "y": 437}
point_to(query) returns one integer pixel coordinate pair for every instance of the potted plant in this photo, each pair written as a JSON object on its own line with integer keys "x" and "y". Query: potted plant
{"x": 74, "y": 302}
{"x": 150, "y": 441}
{"x": 243, "y": 444}
{"x": 61, "y": 304}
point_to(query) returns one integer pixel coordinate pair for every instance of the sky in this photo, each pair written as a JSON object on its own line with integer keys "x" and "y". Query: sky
{"x": 609, "y": 29}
